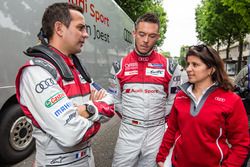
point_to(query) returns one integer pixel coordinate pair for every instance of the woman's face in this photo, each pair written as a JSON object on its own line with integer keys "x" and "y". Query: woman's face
{"x": 197, "y": 71}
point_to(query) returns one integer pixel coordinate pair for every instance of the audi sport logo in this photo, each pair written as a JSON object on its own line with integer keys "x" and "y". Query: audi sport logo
{"x": 148, "y": 91}
{"x": 40, "y": 87}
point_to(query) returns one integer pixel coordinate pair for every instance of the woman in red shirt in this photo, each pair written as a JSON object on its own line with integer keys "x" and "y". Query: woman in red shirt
{"x": 208, "y": 124}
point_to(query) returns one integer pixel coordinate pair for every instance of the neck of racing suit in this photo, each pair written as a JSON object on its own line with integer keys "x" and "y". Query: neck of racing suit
{"x": 144, "y": 54}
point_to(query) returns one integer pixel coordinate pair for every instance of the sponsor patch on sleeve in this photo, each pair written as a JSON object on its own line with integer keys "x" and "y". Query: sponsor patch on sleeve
{"x": 54, "y": 99}
{"x": 63, "y": 109}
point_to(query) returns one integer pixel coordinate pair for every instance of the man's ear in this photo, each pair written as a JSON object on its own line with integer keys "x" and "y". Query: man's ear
{"x": 158, "y": 36}
{"x": 59, "y": 27}
{"x": 134, "y": 33}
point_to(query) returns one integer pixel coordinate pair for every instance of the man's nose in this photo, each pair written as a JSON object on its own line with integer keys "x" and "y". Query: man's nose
{"x": 85, "y": 34}
{"x": 146, "y": 38}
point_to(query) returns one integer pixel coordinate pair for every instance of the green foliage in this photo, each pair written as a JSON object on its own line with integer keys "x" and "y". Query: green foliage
{"x": 182, "y": 58}
{"x": 241, "y": 7}
{"x": 165, "y": 54}
{"x": 135, "y": 8}
{"x": 218, "y": 22}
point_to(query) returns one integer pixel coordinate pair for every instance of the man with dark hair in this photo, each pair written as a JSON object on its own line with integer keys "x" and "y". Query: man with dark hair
{"x": 58, "y": 96}
{"x": 140, "y": 84}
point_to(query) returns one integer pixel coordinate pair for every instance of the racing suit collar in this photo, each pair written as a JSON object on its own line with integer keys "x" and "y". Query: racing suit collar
{"x": 144, "y": 54}
{"x": 139, "y": 57}
{"x": 67, "y": 59}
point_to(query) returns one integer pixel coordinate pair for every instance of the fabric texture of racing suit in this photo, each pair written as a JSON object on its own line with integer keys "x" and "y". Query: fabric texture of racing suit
{"x": 63, "y": 137}
{"x": 140, "y": 87}
{"x": 205, "y": 130}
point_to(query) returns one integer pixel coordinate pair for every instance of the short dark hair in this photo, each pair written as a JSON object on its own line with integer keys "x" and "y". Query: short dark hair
{"x": 211, "y": 58}
{"x": 148, "y": 17}
{"x": 57, "y": 12}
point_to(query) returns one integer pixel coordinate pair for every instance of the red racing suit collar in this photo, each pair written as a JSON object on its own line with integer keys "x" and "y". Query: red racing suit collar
{"x": 67, "y": 59}
{"x": 143, "y": 58}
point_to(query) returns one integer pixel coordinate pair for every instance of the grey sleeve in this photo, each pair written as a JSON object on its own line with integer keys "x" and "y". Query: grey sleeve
{"x": 114, "y": 86}
{"x": 58, "y": 118}
{"x": 179, "y": 77}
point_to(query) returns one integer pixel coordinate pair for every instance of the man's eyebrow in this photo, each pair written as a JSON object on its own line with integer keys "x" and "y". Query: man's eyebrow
{"x": 81, "y": 25}
{"x": 148, "y": 33}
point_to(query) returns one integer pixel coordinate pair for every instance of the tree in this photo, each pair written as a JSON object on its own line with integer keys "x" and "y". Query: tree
{"x": 216, "y": 24}
{"x": 135, "y": 8}
{"x": 165, "y": 54}
{"x": 182, "y": 58}
{"x": 241, "y": 7}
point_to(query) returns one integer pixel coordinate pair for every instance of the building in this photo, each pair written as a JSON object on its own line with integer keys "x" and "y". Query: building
{"x": 231, "y": 62}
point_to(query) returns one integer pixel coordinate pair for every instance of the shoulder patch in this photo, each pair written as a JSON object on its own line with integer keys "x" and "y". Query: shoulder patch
{"x": 117, "y": 65}
{"x": 46, "y": 65}
{"x": 171, "y": 65}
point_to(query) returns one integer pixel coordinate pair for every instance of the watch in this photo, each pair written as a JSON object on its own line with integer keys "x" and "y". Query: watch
{"x": 90, "y": 109}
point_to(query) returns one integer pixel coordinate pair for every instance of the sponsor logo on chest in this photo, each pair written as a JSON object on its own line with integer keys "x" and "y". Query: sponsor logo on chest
{"x": 155, "y": 65}
{"x": 155, "y": 72}
{"x": 134, "y": 72}
{"x": 131, "y": 66}
{"x": 147, "y": 91}
{"x": 131, "y": 69}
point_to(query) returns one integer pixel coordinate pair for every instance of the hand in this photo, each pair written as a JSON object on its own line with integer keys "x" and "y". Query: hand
{"x": 82, "y": 111}
{"x": 97, "y": 95}
{"x": 160, "y": 164}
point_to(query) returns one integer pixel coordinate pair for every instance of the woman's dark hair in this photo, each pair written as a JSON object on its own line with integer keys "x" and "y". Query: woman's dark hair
{"x": 211, "y": 58}
{"x": 57, "y": 12}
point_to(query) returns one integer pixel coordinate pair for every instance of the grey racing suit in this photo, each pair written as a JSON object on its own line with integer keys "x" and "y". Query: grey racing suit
{"x": 140, "y": 86}
{"x": 63, "y": 137}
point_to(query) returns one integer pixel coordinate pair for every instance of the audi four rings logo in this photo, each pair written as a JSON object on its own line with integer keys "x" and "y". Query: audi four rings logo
{"x": 44, "y": 85}
{"x": 220, "y": 99}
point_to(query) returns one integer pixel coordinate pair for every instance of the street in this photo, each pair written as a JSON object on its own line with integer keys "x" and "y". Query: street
{"x": 103, "y": 145}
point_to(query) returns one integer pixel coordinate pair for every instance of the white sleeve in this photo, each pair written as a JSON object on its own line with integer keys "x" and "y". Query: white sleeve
{"x": 50, "y": 107}
{"x": 178, "y": 78}
{"x": 103, "y": 106}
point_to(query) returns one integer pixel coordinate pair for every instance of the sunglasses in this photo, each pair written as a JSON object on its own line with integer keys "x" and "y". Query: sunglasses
{"x": 200, "y": 48}
{"x": 204, "y": 53}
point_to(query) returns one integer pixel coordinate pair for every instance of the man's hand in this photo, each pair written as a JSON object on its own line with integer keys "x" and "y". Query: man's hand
{"x": 160, "y": 164}
{"x": 97, "y": 95}
{"x": 82, "y": 111}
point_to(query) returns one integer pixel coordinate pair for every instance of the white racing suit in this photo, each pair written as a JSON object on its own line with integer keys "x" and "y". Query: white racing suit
{"x": 63, "y": 137}
{"x": 140, "y": 86}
